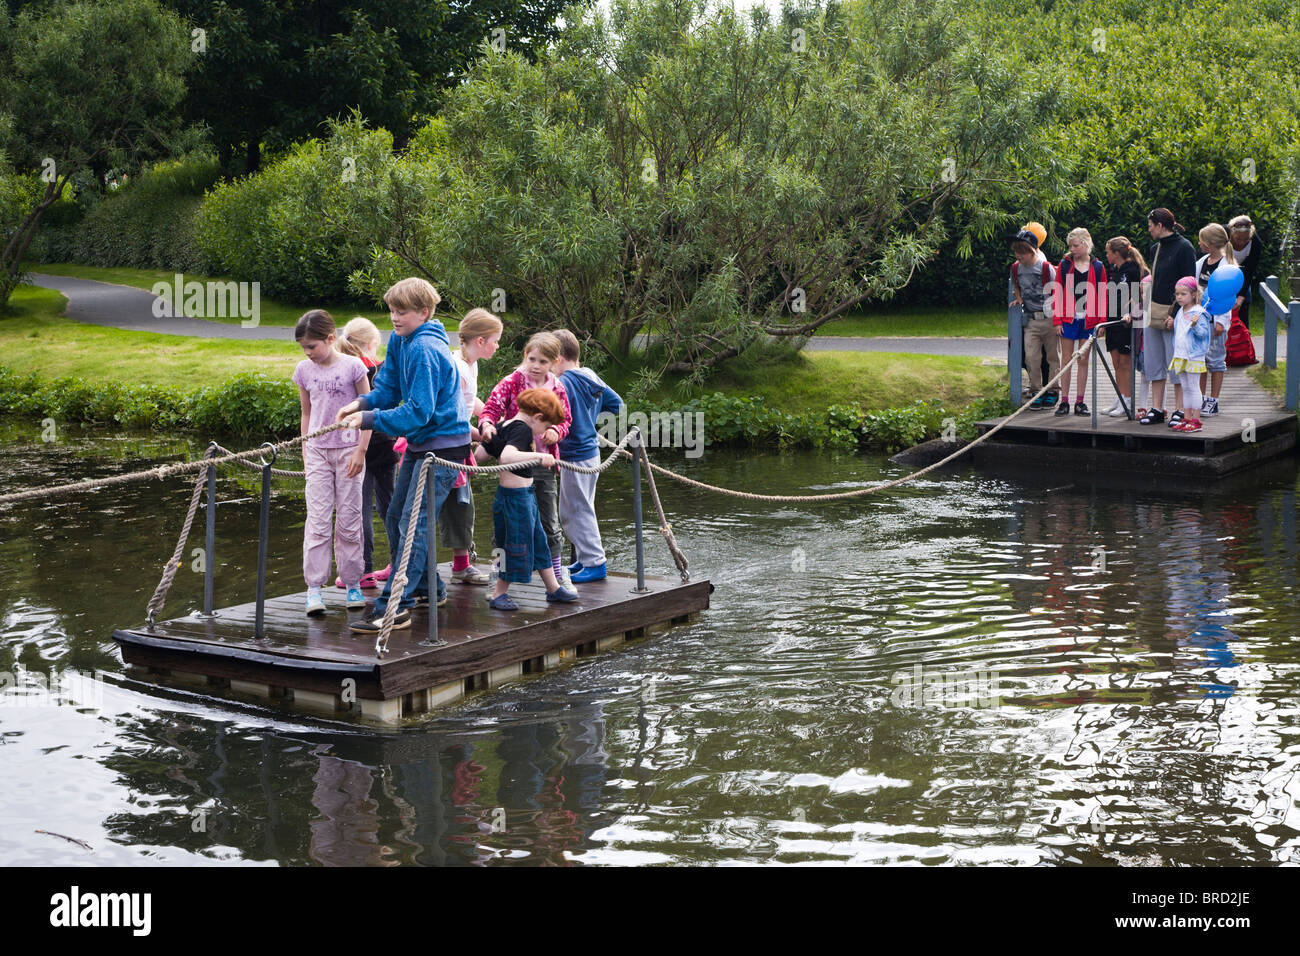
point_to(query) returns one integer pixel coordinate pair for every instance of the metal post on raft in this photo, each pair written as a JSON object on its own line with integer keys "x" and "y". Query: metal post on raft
{"x": 1270, "y": 321}
{"x": 1015, "y": 343}
{"x": 1092, "y": 360}
{"x": 637, "y": 457}
{"x": 1293, "y": 357}
{"x": 431, "y": 549}
{"x": 263, "y": 538}
{"x": 1135, "y": 337}
{"x": 210, "y": 546}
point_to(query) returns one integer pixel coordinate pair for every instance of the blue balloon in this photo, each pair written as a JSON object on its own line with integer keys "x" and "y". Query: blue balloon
{"x": 1221, "y": 291}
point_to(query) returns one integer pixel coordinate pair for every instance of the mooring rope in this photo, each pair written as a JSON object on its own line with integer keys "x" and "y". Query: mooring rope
{"x": 399, "y": 575}
{"x": 174, "y": 565}
{"x": 893, "y": 483}
{"x": 665, "y": 526}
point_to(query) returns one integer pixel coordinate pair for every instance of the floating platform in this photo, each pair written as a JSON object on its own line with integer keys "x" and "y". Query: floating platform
{"x": 317, "y": 664}
{"x": 1252, "y": 428}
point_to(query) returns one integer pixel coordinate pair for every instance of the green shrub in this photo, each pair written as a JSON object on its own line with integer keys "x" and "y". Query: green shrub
{"x": 147, "y": 222}
{"x": 248, "y": 405}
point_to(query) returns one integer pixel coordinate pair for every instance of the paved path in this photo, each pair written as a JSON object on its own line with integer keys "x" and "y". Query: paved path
{"x": 124, "y": 307}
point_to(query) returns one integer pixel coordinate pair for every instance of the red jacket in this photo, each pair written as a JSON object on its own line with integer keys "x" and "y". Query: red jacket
{"x": 1064, "y": 294}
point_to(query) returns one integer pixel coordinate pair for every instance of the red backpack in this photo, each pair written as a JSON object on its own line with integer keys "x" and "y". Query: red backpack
{"x": 1241, "y": 350}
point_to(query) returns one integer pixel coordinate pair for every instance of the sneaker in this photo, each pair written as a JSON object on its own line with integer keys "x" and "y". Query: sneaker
{"x": 1153, "y": 416}
{"x": 593, "y": 573}
{"x": 1039, "y": 402}
{"x": 1211, "y": 407}
{"x": 1114, "y": 407}
{"x": 356, "y": 598}
{"x": 1120, "y": 410}
{"x": 470, "y": 575}
{"x": 1080, "y": 408}
{"x": 421, "y": 599}
{"x": 561, "y": 596}
{"x": 503, "y": 603}
{"x": 372, "y": 624}
{"x": 315, "y": 603}
{"x": 1205, "y": 403}
{"x": 1063, "y": 408}
{"x": 575, "y": 567}
{"x": 1175, "y": 418}
{"x": 1049, "y": 400}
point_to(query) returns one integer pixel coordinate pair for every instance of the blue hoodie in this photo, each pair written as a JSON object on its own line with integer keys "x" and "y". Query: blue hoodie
{"x": 417, "y": 392}
{"x": 588, "y": 397}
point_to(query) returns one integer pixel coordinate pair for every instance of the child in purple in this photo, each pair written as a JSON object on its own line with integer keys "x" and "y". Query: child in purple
{"x": 327, "y": 380}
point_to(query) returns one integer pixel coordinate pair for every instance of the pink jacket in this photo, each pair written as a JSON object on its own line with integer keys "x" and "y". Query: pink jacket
{"x": 502, "y": 406}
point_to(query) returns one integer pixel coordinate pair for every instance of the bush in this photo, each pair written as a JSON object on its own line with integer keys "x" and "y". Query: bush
{"x": 147, "y": 222}
{"x": 247, "y": 406}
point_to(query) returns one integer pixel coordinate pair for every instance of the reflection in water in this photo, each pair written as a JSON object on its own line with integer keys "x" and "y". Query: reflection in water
{"x": 968, "y": 671}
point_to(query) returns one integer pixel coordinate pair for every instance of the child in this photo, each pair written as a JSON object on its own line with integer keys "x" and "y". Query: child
{"x": 588, "y": 398}
{"x": 540, "y": 354}
{"x": 361, "y": 338}
{"x": 517, "y": 525}
{"x": 1124, "y": 269}
{"x": 1078, "y": 306}
{"x": 479, "y": 334}
{"x": 1215, "y": 245}
{"x": 1171, "y": 258}
{"x": 1191, "y": 341}
{"x": 416, "y": 395}
{"x": 1031, "y": 280}
{"x": 327, "y": 380}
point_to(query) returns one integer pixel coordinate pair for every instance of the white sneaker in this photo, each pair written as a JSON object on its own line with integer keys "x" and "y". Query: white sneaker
{"x": 315, "y": 603}
{"x": 1115, "y": 406}
{"x": 1119, "y": 410}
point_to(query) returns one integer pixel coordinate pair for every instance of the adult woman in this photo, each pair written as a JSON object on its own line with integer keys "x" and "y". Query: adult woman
{"x": 1246, "y": 248}
{"x": 1172, "y": 258}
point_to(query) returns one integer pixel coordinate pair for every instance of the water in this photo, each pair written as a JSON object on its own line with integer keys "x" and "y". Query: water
{"x": 970, "y": 670}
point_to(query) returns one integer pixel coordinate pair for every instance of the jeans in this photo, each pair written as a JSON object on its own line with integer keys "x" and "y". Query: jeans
{"x": 437, "y": 487}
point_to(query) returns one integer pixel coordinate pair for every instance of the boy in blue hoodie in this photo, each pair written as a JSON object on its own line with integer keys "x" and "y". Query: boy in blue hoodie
{"x": 588, "y": 397}
{"x": 416, "y": 396}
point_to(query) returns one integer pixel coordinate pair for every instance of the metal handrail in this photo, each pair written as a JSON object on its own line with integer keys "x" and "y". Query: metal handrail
{"x": 1274, "y": 311}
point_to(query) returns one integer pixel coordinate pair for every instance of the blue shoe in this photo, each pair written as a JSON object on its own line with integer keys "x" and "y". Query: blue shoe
{"x": 561, "y": 595}
{"x": 355, "y": 598}
{"x": 594, "y": 573}
{"x": 575, "y": 567}
{"x": 315, "y": 603}
{"x": 503, "y": 603}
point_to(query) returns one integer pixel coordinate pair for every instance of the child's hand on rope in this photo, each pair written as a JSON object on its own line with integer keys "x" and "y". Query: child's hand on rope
{"x": 547, "y": 461}
{"x": 350, "y": 421}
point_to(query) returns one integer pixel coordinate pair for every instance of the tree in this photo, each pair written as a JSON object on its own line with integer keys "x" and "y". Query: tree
{"x": 83, "y": 86}
{"x": 716, "y": 179}
{"x": 273, "y": 71}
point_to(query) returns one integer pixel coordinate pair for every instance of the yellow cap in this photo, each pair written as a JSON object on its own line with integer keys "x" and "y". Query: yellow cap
{"x": 1037, "y": 229}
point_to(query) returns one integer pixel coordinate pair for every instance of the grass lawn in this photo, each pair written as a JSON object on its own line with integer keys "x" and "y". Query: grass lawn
{"x": 958, "y": 323}
{"x": 271, "y": 312}
{"x": 1273, "y": 380}
{"x": 35, "y": 337}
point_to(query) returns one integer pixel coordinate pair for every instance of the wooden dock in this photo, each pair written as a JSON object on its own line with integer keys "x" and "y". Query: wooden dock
{"x": 319, "y": 665}
{"x": 1250, "y": 429}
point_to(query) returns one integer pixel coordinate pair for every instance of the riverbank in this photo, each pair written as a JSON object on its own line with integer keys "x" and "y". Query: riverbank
{"x": 54, "y": 367}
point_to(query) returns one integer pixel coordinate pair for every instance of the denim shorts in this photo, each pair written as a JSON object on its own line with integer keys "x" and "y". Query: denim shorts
{"x": 1216, "y": 358}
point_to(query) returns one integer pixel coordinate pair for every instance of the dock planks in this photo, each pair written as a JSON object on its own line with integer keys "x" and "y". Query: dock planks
{"x": 320, "y": 664}
{"x": 1250, "y": 428}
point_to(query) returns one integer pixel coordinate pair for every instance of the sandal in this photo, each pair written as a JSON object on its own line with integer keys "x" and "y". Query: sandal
{"x": 502, "y": 603}
{"x": 1175, "y": 418}
{"x": 1153, "y": 416}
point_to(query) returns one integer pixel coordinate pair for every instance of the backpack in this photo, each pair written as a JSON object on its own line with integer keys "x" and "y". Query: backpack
{"x": 1241, "y": 349}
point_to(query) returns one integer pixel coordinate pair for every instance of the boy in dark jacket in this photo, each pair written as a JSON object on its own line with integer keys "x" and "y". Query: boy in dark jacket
{"x": 416, "y": 396}
{"x": 589, "y": 397}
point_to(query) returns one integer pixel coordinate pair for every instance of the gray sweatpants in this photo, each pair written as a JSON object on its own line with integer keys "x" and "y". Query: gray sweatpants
{"x": 578, "y": 514}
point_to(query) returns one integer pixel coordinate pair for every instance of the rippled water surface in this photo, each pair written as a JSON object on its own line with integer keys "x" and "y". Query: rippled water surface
{"x": 969, "y": 670}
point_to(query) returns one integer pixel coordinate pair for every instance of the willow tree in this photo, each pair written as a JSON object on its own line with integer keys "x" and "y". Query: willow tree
{"x": 717, "y": 179}
{"x": 83, "y": 86}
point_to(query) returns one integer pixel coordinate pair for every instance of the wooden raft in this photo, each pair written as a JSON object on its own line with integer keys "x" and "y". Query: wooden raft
{"x": 318, "y": 664}
{"x": 1040, "y": 439}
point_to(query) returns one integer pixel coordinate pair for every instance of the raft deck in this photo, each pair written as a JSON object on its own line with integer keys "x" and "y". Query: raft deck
{"x": 1250, "y": 429}
{"x": 318, "y": 664}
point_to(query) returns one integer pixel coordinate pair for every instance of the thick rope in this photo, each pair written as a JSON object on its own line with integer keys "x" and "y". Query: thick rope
{"x": 665, "y": 527}
{"x": 399, "y": 576}
{"x": 174, "y": 565}
{"x": 162, "y": 471}
{"x": 841, "y": 496}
